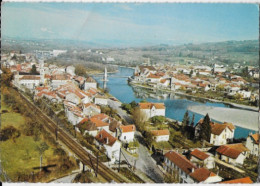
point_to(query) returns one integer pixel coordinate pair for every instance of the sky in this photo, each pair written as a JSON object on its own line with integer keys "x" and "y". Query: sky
{"x": 131, "y": 24}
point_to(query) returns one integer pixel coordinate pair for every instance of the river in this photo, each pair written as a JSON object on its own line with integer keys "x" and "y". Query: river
{"x": 176, "y": 106}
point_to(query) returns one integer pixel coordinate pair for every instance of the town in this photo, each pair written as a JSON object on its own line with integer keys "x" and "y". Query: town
{"x": 125, "y": 135}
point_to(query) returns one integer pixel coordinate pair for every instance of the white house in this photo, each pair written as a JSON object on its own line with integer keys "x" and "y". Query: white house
{"x": 245, "y": 94}
{"x": 110, "y": 143}
{"x": 152, "y": 109}
{"x": 252, "y": 143}
{"x": 221, "y": 133}
{"x": 178, "y": 165}
{"x": 201, "y": 158}
{"x": 127, "y": 133}
{"x": 101, "y": 100}
{"x": 203, "y": 175}
{"x": 59, "y": 79}
{"x": 90, "y": 83}
{"x": 187, "y": 172}
{"x": 91, "y": 109}
{"x": 232, "y": 153}
{"x": 74, "y": 114}
{"x": 161, "y": 135}
{"x": 70, "y": 70}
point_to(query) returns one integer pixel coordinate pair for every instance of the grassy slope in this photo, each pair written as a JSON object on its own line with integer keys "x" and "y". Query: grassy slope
{"x": 21, "y": 155}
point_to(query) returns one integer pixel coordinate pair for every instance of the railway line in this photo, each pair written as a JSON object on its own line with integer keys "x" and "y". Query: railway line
{"x": 74, "y": 146}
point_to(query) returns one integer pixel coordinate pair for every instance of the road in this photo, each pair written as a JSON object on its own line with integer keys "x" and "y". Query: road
{"x": 145, "y": 162}
{"x": 117, "y": 106}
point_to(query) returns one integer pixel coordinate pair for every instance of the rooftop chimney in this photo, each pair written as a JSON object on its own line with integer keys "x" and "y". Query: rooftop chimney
{"x": 107, "y": 140}
{"x": 192, "y": 170}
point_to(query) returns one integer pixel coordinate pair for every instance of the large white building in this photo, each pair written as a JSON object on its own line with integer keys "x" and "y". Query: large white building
{"x": 152, "y": 109}
{"x": 185, "y": 171}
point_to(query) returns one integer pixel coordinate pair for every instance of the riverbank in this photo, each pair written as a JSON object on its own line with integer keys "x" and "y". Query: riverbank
{"x": 242, "y": 118}
{"x": 197, "y": 97}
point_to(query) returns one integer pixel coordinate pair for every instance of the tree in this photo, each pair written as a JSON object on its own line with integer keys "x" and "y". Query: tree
{"x": 81, "y": 70}
{"x": 186, "y": 119}
{"x": 245, "y": 72}
{"x": 6, "y": 77}
{"x": 9, "y": 132}
{"x": 33, "y": 70}
{"x": 220, "y": 87}
{"x": 41, "y": 149}
{"x": 191, "y": 72}
{"x": 192, "y": 120}
{"x": 148, "y": 138}
{"x": 139, "y": 118}
{"x": 205, "y": 132}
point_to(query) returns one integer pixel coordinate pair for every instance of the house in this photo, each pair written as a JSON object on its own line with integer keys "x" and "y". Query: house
{"x": 101, "y": 100}
{"x": 221, "y": 133}
{"x": 152, "y": 109}
{"x": 126, "y": 133}
{"x": 87, "y": 127}
{"x": 245, "y": 94}
{"x": 73, "y": 112}
{"x": 70, "y": 70}
{"x": 110, "y": 143}
{"x": 179, "y": 166}
{"x": 201, "y": 158}
{"x": 59, "y": 79}
{"x": 244, "y": 180}
{"x": 101, "y": 125}
{"x": 90, "y": 83}
{"x": 203, "y": 175}
{"x": 91, "y": 109}
{"x": 252, "y": 143}
{"x": 161, "y": 135}
{"x": 232, "y": 153}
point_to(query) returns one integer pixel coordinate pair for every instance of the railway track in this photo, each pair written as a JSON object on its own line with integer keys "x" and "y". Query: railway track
{"x": 74, "y": 146}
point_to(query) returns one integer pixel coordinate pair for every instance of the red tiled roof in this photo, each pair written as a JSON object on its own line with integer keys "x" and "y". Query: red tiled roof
{"x": 232, "y": 150}
{"x": 180, "y": 161}
{"x": 30, "y": 77}
{"x": 150, "y": 105}
{"x": 160, "y": 132}
{"x": 201, "y": 174}
{"x": 91, "y": 105}
{"x": 153, "y": 76}
{"x": 239, "y": 180}
{"x": 217, "y": 128}
{"x": 105, "y": 138}
{"x": 101, "y": 116}
{"x": 199, "y": 154}
{"x": 128, "y": 128}
{"x": 98, "y": 122}
{"x": 255, "y": 137}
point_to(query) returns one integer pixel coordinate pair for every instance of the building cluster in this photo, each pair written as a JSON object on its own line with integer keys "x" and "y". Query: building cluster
{"x": 80, "y": 98}
{"x": 194, "y": 78}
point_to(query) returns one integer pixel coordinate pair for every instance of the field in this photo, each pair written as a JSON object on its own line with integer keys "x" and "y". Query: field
{"x": 21, "y": 157}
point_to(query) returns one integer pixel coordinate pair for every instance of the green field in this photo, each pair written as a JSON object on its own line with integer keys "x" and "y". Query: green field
{"x": 20, "y": 156}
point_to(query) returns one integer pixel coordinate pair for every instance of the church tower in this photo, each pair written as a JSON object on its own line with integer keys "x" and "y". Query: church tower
{"x": 42, "y": 74}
